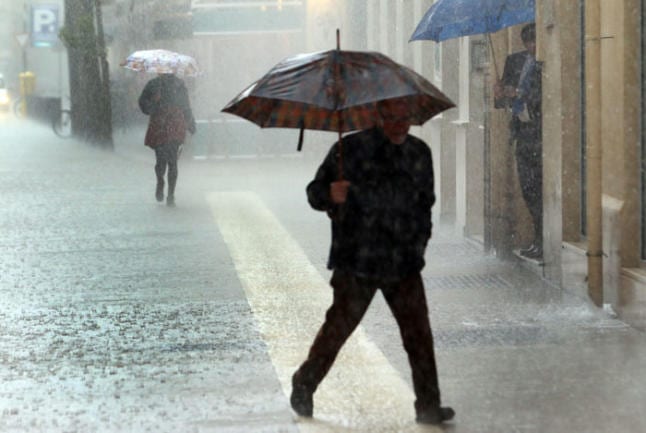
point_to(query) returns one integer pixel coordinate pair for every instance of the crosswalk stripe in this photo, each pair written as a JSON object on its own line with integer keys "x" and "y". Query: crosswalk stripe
{"x": 288, "y": 296}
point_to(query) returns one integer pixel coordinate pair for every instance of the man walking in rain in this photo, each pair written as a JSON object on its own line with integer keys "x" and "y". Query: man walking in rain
{"x": 165, "y": 100}
{"x": 381, "y": 223}
{"x": 520, "y": 91}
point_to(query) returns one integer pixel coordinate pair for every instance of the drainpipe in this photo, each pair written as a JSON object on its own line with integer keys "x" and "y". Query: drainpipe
{"x": 593, "y": 109}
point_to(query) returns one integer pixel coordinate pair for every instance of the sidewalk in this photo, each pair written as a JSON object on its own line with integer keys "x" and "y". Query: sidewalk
{"x": 118, "y": 314}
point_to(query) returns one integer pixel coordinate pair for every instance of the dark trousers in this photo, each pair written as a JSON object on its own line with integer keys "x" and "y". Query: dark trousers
{"x": 166, "y": 155}
{"x": 352, "y": 296}
{"x": 529, "y": 163}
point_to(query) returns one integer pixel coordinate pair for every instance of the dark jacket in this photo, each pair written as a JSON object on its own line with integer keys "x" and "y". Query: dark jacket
{"x": 171, "y": 115}
{"x": 511, "y": 75}
{"x": 526, "y": 131}
{"x": 383, "y": 228}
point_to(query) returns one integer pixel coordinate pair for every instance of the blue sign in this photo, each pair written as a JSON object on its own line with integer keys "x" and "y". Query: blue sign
{"x": 44, "y": 25}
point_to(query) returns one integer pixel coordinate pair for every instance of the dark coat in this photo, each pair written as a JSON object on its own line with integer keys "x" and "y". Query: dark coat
{"x": 525, "y": 131}
{"x": 511, "y": 75}
{"x": 171, "y": 115}
{"x": 383, "y": 228}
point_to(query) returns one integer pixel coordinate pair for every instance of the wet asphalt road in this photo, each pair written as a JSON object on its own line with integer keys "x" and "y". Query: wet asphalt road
{"x": 118, "y": 314}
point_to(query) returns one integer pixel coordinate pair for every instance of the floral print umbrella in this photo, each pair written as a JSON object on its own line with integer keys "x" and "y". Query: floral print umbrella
{"x": 162, "y": 62}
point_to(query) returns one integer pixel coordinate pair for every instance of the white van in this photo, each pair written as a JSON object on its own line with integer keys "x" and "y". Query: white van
{"x": 5, "y": 100}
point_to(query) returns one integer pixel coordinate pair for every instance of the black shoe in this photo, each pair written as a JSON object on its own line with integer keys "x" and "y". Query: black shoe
{"x": 524, "y": 251}
{"x": 436, "y": 415}
{"x": 535, "y": 253}
{"x": 170, "y": 201}
{"x": 159, "y": 192}
{"x": 301, "y": 400}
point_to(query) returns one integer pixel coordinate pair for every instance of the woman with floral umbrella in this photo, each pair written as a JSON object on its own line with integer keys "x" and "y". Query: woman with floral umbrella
{"x": 165, "y": 100}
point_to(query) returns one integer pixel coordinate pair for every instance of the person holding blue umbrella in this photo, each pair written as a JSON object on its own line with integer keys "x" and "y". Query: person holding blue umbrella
{"x": 519, "y": 91}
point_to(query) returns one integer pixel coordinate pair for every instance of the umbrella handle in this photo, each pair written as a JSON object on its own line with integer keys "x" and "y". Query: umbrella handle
{"x": 300, "y": 138}
{"x": 340, "y": 149}
{"x": 337, "y": 78}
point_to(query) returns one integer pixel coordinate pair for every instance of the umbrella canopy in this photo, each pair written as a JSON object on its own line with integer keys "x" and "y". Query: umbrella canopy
{"x": 162, "y": 62}
{"x": 335, "y": 91}
{"x": 448, "y": 19}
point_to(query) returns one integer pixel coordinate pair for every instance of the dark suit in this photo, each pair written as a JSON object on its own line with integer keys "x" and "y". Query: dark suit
{"x": 511, "y": 75}
{"x": 527, "y": 136}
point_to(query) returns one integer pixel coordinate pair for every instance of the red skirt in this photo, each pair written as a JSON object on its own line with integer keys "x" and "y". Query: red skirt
{"x": 165, "y": 126}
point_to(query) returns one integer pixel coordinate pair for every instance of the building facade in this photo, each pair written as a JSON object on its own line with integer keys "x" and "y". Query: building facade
{"x": 594, "y": 183}
{"x": 594, "y": 149}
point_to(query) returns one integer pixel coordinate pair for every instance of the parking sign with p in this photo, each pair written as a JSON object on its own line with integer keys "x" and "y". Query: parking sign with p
{"x": 44, "y": 25}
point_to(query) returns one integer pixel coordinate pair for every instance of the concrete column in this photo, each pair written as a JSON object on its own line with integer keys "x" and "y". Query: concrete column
{"x": 448, "y": 76}
{"x": 464, "y": 79}
{"x": 460, "y": 177}
{"x": 550, "y": 52}
{"x": 500, "y": 217}
{"x": 462, "y": 123}
{"x": 435, "y": 128}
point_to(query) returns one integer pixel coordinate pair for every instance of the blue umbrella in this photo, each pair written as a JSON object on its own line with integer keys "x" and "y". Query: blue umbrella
{"x": 448, "y": 19}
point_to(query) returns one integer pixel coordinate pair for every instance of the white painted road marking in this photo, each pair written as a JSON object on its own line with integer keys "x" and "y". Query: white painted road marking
{"x": 362, "y": 392}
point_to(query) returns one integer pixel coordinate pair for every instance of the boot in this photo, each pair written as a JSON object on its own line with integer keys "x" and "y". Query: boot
{"x": 159, "y": 192}
{"x": 436, "y": 415}
{"x": 301, "y": 399}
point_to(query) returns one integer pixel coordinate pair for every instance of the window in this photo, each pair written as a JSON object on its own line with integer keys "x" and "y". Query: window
{"x": 211, "y": 17}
